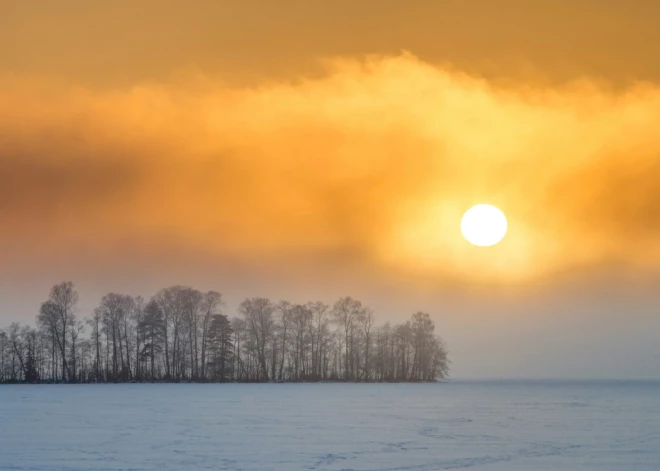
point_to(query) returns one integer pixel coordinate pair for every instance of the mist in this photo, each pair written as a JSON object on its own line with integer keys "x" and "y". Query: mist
{"x": 352, "y": 182}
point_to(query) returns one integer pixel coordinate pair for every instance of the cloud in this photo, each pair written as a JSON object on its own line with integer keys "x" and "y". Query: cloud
{"x": 371, "y": 164}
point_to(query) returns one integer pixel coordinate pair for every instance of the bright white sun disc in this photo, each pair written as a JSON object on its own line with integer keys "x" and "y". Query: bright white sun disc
{"x": 484, "y": 225}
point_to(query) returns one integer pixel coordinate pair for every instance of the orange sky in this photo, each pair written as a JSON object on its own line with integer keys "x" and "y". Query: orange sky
{"x": 310, "y": 150}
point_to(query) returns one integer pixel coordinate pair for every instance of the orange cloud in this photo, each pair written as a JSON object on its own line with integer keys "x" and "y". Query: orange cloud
{"x": 374, "y": 162}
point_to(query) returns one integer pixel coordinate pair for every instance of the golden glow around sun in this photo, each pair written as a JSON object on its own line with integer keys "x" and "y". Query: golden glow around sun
{"x": 484, "y": 225}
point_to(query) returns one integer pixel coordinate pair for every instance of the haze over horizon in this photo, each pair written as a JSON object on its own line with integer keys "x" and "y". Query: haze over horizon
{"x": 312, "y": 151}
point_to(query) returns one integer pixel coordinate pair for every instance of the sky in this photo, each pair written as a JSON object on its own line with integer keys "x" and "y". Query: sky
{"x": 310, "y": 150}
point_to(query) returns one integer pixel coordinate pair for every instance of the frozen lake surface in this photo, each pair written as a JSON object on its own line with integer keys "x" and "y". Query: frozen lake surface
{"x": 494, "y": 426}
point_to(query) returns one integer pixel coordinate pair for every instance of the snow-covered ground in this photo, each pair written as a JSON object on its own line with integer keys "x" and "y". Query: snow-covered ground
{"x": 512, "y": 426}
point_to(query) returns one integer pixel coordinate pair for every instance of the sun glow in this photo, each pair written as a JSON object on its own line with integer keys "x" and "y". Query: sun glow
{"x": 484, "y": 225}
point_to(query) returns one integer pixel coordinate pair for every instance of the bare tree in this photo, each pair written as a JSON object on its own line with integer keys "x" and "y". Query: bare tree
{"x": 367, "y": 323}
{"x": 95, "y": 322}
{"x": 284, "y": 311}
{"x": 258, "y": 314}
{"x": 345, "y": 313}
{"x": 61, "y": 306}
{"x": 181, "y": 334}
{"x": 3, "y": 355}
{"x": 116, "y": 311}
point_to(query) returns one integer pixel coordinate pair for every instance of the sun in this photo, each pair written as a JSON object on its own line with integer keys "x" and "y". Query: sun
{"x": 484, "y": 225}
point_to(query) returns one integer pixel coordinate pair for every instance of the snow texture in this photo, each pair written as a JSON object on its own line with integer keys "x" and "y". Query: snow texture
{"x": 494, "y": 426}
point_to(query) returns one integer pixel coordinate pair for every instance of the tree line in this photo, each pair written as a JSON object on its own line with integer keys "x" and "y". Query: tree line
{"x": 182, "y": 334}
